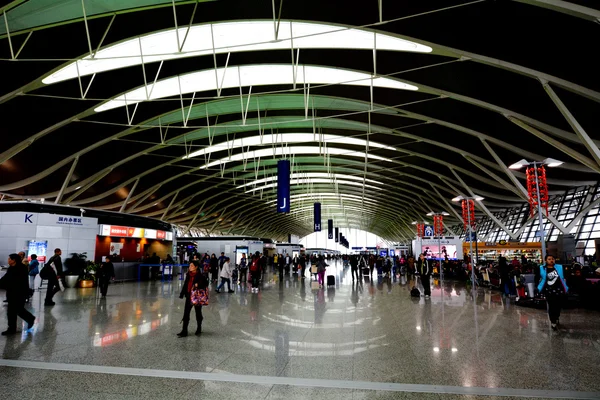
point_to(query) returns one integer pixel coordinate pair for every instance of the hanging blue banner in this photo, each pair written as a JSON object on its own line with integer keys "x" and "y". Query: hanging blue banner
{"x": 317, "y": 217}
{"x": 336, "y": 236}
{"x": 283, "y": 186}
{"x": 329, "y": 229}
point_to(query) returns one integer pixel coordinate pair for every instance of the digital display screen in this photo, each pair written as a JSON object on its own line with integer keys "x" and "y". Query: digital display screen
{"x": 433, "y": 251}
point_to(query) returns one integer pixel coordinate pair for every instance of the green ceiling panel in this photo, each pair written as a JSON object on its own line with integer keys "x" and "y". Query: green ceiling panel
{"x": 266, "y": 103}
{"x": 37, "y": 13}
{"x": 268, "y": 123}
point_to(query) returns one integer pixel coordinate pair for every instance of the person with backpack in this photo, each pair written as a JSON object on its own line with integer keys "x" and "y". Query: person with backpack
{"x": 255, "y": 272}
{"x": 553, "y": 286}
{"x": 16, "y": 286}
{"x": 424, "y": 270}
{"x": 194, "y": 279}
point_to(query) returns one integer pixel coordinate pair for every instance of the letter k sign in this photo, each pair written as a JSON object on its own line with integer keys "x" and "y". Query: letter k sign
{"x": 28, "y": 218}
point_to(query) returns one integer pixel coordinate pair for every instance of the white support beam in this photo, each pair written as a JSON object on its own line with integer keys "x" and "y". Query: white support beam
{"x": 104, "y": 35}
{"x": 129, "y": 195}
{"x": 87, "y": 29}
{"x": 588, "y": 162}
{"x": 169, "y": 206}
{"x": 23, "y": 44}
{"x": 506, "y": 170}
{"x": 194, "y": 219}
{"x": 483, "y": 207}
{"x": 189, "y": 26}
{"x": 12, "y": 54}
{"x": 66, "y": 181}
{"x": 176, "y": 27}
{"x": 276, "y": 20}
{"x": 581, "y": 133}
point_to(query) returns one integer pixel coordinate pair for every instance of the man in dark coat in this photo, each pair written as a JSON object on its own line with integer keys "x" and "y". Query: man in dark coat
{"x": 16, "y": 284}
{"x": 52, "y": 277}
{"x": 106, "y": 272}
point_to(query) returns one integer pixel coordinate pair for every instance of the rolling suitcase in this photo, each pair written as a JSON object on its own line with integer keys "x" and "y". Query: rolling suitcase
{"x": 330, "y": 280}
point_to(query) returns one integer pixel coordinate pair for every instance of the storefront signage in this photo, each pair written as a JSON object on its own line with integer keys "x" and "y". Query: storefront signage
{"x": 133, "y": 232}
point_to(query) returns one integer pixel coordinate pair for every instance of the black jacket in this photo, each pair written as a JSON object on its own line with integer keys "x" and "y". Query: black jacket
{"x": 107, "y": 270}
{"x": 423, "y": 267}
{"x": 57, "y": 264}
{"x": 199, "y": 278}
{"x": 16, "y": 283}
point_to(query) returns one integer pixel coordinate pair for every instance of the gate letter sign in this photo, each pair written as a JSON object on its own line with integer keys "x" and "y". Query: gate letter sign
{"x": 283, "y": 186}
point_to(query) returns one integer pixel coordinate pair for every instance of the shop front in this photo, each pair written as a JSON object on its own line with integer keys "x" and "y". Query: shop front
{"x": 491, "y": 251}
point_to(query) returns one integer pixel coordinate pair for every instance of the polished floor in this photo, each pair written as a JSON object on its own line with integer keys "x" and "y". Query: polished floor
{"x": 355, "y": 341}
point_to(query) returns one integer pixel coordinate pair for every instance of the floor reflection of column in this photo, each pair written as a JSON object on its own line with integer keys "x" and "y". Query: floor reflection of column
{"x": 475, "y": 319}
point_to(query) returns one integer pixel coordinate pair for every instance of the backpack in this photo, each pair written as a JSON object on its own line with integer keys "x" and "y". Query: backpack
{"x": 415, "y": 292}
{"x": 254, "y": 265}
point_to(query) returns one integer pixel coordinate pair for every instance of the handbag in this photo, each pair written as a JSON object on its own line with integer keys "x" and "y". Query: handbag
{"x": 199, "y": 297}
{"x": 313, "y": 269}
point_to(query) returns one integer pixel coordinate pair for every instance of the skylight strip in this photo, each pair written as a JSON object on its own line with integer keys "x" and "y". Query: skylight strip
{"x": 251, "y": 75}
{"x": 304, "y": 175}
{"x": 269, "y": 140}
{"x": 233, "y": 36}
{"x": 312, "y": 181}
{"x": 287, "y": 151}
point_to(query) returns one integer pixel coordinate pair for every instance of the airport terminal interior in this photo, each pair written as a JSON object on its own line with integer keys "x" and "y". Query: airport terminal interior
{"x": 402, "y": 199}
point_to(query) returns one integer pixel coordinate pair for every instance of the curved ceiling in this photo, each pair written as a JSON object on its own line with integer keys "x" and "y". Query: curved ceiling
{"x": 181, "y": 113}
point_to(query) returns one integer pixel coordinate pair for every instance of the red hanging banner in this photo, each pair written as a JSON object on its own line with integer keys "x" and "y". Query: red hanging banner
{"x": 468, "y": 213}
{"x": 420, "y": 229}
{"x": 532, "y": 192}
{"x": 438, "y": 225}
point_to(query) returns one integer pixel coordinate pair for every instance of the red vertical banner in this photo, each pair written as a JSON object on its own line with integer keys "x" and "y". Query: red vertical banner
{"x": 420, "y": 229}
{"x": 468, "y": 213}
{"x": 532, "y": 191}
{"x": 438, "y": 225}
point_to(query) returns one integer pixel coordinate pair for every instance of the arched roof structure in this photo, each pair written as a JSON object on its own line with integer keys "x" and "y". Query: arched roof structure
{"x": 180, "y": 110}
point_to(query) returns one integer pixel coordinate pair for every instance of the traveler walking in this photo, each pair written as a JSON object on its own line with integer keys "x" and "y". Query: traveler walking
{"x": 321, "y": 266}
{"x": 52, "y": 271}
{"x": 255, "y": 271}
{"x": 34, "y": 270}
{"x": 194, "y": 279}
{"x": 354, "y": 266}
{"x": 243, "y": 269}
{"x": 553, "y": 286}
{"x": 214, "y": 267}
{"x": 16, "y": 286}
{"x": 225, "y": 277}
{"x": 106, "y": 272}
{"x": 424, "y": 270}
{"x": 302, "y": 264}
{"x": 288, "y": 262}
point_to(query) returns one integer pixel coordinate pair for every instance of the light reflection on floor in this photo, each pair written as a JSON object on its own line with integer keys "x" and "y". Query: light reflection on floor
{"x": 369, "y": 331}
